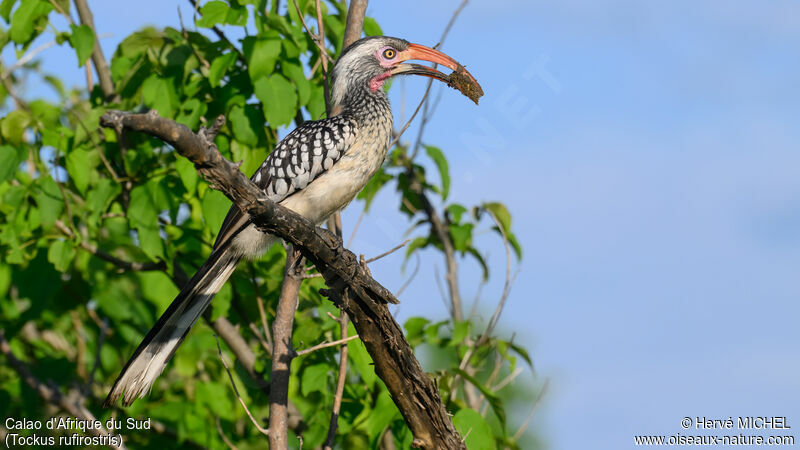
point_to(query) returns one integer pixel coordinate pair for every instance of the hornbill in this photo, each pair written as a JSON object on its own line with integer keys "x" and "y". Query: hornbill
{"x": 316, "y": 170}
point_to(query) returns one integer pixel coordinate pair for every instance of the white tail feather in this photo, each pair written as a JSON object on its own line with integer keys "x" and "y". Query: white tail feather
{"x": 149, "y": 360}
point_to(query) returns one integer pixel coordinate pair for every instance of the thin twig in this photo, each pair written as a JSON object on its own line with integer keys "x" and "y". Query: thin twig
{"x": 509, "y": 281}
{"x": 355, "y": 227}
{"x": 410, "y": 119}
{"x": 341, "y": 378}
{"x": 122, "y": 264}
{"x": 236, "y": 390}
{"x": 262, "y": 312}
{"x": 325, "y": 345}
{"x": 61, "y": 189}
{"x": 225, "y": 438}
{"x": 410, "y": 278}
{"x": 62, "y": 12}
{"x": 426, "y": 115}
{"x": 197, "y": 54}
{"x": 387, "y": 253}
{"x": 27, "y": 57}
{"x": 507, "y": 379}
{"x": 324, "y": 56}
{"x": 535, "y": 406}
{"x": 260, "y": 338}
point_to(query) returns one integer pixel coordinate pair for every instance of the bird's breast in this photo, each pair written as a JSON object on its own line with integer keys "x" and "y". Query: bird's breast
{"x": 337, "y": 186}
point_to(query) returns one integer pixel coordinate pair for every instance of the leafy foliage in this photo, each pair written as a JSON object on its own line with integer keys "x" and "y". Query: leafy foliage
{"x": 95, "y": 229}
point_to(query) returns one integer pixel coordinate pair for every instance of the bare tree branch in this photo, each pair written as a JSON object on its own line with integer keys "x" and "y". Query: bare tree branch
{"x": 282, "y": 351}
{"x": 340, "y": 380}
{"x": 414, "y": 392}
{"x": 354, "y": 24}
{"x": 98, "y": 59}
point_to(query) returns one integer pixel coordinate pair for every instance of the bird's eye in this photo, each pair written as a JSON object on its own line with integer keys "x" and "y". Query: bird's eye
{"x": 389, "y": 53}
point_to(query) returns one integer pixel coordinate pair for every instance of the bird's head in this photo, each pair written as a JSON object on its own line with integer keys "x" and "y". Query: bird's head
{"x": 369, "y": 62}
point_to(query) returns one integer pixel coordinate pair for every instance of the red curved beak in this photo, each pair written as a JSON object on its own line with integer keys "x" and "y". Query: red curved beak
{"x": 460, "y": 78}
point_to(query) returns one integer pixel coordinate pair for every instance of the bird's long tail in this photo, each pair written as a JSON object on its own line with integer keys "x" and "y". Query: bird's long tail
{"x": 157, "y": 348}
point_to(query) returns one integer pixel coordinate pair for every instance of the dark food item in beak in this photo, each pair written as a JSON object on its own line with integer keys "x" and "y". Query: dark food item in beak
{"x": 464, "y": 83}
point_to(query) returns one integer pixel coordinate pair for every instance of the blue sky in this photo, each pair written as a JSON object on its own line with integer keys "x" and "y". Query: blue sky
{"x": 648, "y": 153}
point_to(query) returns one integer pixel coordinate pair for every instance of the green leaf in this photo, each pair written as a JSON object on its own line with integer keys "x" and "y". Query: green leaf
{"x": 101, "y": 195}
{"x": 222, "y": 302}
{"x": 460, "y": 332}
{"x": 143, "y": 216}
{"x": 219, "y": 66}
{"x": 474, "y": 430}
{"x": 500, "y": 212}
{"x": 5, "y": 9}
{"x": 215, "y": 207}
{"x": 316, "y": 104}
{"x": 49, "y": 201}
{"x": 213, "y": 13}
{"x": 190, "y": 113}
{"x": 188, "y": 174}
{"x": 60, "y": 254}
{"x": 278, "y": 98}
{"x": 478, "y": 257}
{"x": 244, "y": 121}
{"x": 512, "y": 239}
{"x": 461, "y": 234}
{"x": 314, "y": 379}
{"x": 14, "y": 124}
{"x": 157, "y": 288}
{"x": 26, "y": 19}
{"x": 79, "y": 168}
{"x": 159, "y": 93}
{"x": 215, "y": 397}
{"x": 9, "y": 162}
{"x": 415, "y": 326}
{"x": 417, "y": 243}
{"x": 261, "y": 55}
{"x": 294, "y": 72}
{"x": 382, "y": 415}
{"x": 456, "y": 211}
{"x": 82, "y": 40}
{"x": 521, "y": 351}
{"x": 491, "y": 397}
{"x": 441, "y": 163}
{"x": 362, "y": 361}
{"x": 371, "y": 27}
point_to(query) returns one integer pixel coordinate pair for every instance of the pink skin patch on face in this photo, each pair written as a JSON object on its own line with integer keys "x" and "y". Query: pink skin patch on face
{"x": 377, "y": 81}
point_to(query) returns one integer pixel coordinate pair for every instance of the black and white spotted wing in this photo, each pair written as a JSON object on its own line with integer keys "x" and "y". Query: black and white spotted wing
{"x": 302, "y": 156}
{"x": 309, "y": 150}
